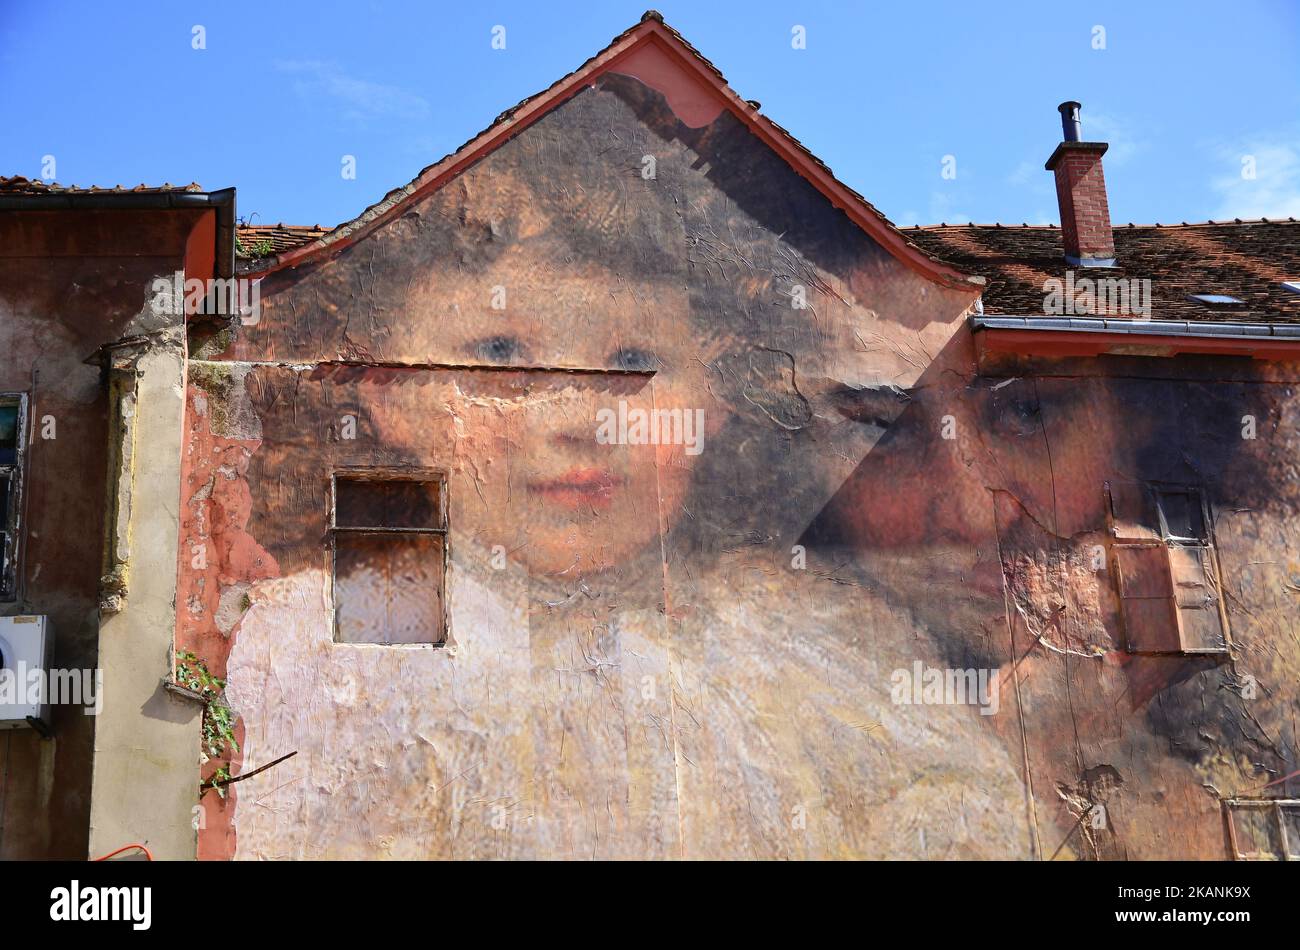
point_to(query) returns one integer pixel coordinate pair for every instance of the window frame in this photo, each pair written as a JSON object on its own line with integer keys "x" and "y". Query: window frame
{"x": 1203, "y": 544}
{"x": 1216, "y": 300}
{"x": 1160, "y": 490}
{"x": 1277, "y": 805}
{"x": 11, "y": 554}
{"x": 1155, "y": 534}
{"x": 390, "y": 474}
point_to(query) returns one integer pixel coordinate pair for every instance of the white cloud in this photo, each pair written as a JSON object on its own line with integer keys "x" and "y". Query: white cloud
{"x": 355, "y": 99}
{"x": 1037, "y": 185}
{"x": 941, "y": 210}
{"x": 1117, "y": 132}
{"x": 1274, "y": 192}
{"x": 1029, "y": 174}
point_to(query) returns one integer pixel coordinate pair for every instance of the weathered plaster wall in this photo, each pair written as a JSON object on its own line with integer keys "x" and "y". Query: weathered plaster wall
{"x": 558, "y": 721}
{"x": 696, "y": 660}
{"x": 146, "y": 739}
{"x": 69, "y": 285}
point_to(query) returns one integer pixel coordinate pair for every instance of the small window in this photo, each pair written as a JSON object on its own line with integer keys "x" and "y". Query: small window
{"x": 1182, "y": 516}
{"x": 1291, "y": 285}
{"x": 389, "y": 539}
{"x": 1217, "y": 300}
{"x": 12, "y": 417}
{"x": 1264, "y": 830}
{"x": 1166, "y": 570}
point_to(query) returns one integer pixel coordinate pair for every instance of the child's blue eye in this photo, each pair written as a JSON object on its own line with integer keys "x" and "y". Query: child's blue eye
{"x": 497, "y": 349}
{"x": 633, "y": 359}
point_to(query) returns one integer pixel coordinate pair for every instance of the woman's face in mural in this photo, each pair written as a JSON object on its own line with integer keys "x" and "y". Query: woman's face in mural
{"x": 925, "y": 503}
{"x": 596, "y": 354}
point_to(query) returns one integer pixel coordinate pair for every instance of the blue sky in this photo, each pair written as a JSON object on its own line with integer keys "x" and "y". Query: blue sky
{"x": 1184, "y": 92}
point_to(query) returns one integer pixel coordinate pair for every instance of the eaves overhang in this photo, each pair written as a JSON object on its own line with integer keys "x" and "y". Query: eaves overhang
{"x": 1098, "y": 336}
{"x": 222, "y": 201}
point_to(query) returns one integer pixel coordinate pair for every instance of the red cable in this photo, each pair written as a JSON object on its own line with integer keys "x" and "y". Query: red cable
{"x": 148, "y": 856}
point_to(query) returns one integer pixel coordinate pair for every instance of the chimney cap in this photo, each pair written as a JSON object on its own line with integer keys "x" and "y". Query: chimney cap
{"x": 1070, "y": 125}
{"x": 1095, "y": 148}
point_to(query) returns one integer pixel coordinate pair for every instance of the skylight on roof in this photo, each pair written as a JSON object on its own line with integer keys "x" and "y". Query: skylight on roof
{"x": 1216, "y": 300}
{"x": 1291, "y": 285}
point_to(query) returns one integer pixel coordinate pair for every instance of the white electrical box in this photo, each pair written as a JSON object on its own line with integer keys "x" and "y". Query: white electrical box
{"x": 25, "y": 650}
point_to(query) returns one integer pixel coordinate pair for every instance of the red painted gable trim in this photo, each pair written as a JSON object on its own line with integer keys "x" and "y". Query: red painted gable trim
{"x": 622, "y": 53}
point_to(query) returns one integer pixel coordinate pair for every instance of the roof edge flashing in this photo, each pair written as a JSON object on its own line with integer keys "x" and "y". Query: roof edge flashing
{"x": 1049, "y": 324}
{"x": 1095, "y": 336}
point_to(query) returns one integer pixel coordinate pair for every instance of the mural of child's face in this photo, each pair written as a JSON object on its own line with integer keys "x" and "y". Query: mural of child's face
{"x": 592, "y": 347}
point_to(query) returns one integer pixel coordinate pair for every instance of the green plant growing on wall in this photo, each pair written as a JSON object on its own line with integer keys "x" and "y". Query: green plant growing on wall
{"x": 261, "y": 249}
{"x": 219, "y": 740}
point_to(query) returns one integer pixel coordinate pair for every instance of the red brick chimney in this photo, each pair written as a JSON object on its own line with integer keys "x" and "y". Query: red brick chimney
{"x": 1081, "y": 195}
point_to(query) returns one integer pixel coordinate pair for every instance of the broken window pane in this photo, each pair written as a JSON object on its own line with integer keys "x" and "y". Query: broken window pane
{"x": 387, "y": 503}
{"x": 8, "y": 434}
{"x": 1180, "y": 511}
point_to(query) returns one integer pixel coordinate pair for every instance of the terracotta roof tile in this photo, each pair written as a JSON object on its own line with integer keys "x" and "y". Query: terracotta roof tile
{"x": 18, "y": 185}
{"x": 263, "y": 240}
{"x": 1245, "y": 259}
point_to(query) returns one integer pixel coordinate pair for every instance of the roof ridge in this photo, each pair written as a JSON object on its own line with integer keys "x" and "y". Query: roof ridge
{"x": 21, "y": 185}
{"x": 650, "y": 29}
{"x": 282, "y": 226}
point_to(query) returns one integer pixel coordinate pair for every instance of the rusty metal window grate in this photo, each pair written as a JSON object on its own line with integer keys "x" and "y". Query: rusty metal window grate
{"x": 388, "y": 541}
{"x": 1263, "y": 829}
{"x": 13, "y": 417}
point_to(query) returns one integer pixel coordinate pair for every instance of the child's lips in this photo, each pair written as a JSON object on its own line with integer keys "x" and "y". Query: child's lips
{"x": 579, "y": 487}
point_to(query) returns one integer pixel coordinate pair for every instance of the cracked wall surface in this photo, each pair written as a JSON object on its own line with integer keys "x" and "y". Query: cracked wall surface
{"x": 700, "y": 658}
{"x": 1026, "y": 533}
{"x": 73, "y": 287}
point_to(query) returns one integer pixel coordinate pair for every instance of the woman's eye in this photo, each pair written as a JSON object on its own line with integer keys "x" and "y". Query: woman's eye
{"x": 633, "y": 359}
{"x": 497, "y": 349}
